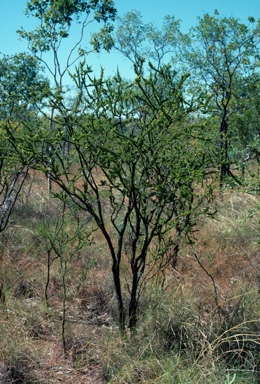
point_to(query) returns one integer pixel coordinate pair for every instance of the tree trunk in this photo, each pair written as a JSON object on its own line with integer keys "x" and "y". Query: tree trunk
{"x": 224, "y": 166}
{"x": 49, "y": 181}
{"x": 117, "y": 284}
{"x": 133, "y": 300}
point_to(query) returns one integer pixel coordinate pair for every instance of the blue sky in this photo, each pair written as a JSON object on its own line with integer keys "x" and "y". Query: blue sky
{"x": 12, "y": 18}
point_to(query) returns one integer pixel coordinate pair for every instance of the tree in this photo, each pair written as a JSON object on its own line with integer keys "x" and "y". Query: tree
{"x": 136, "y": 160}
{"x": 218, "y": 51}
{"x": 135, "y": 167}
{"x": 246, "y": 123}
{"x": 64, "y": 237}
{"x": 13, "y": 173}
{"x": 138, "y": 41}
{"x": 137, "y": 163}
{"x": 22, "y": 93}
{"x": 22, "y": 87}
{"x": 55, "y": 21}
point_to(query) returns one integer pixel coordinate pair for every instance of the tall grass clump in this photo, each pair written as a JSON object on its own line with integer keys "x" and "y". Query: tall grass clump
{"x": 177, "y": 343}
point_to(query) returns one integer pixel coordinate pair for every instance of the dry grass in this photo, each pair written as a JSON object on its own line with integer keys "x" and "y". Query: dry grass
{"x": 202, "y": 326}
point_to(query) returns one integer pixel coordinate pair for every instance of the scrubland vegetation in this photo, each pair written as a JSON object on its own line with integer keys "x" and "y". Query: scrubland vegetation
{"x": 130, "y": 208}
{"x": 199, "y": 321}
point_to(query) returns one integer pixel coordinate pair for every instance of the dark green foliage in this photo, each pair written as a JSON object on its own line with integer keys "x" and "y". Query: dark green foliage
{"x": 22, "y": 87}
{"x": 222, "y": 54}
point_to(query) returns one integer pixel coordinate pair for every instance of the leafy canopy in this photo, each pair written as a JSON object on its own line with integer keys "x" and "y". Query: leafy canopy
{"x": 56, "y": 17}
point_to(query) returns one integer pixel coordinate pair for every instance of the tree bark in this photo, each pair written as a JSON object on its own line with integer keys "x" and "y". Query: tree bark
{"x": 117, "y": 285}
{"x": 224, "y": 167}
{"x": 133, "y": 300}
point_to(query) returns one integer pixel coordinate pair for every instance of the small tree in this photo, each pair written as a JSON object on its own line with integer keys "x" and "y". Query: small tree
{"x": 22, "y": 91}
{"x": 64, "y": 236}
{"x": 246, "y": 124}
{"x": 22, "y": 87}
{"x": 13, "y": 174}
{"x": 135, "y": 166}
{"x": 218, "y": 51}
{"x": 55, "y": 22}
